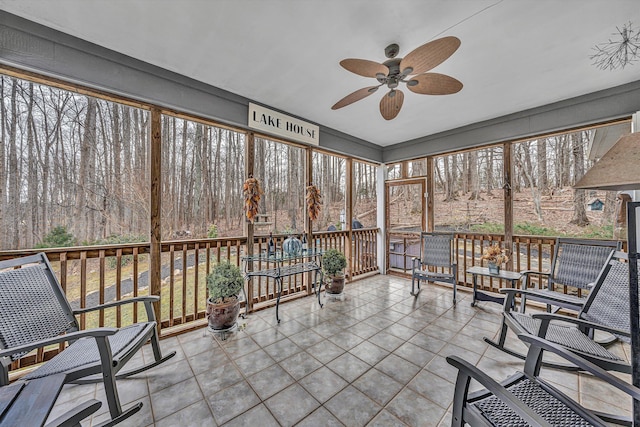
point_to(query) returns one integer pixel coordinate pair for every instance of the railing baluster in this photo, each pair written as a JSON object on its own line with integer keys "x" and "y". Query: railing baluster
{"x": 172, "y": 283}
{"x": 135, "y": 283}
{"x": 184, "y": 283}
{"x": 118, "y": 286}
{"x": 83, "y": 287}
{"x": 196, "y": 279}
{"x": 101, "y": 261}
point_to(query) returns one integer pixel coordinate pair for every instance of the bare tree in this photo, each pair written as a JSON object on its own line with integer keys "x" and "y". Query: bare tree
{"x": 579, "y": 196}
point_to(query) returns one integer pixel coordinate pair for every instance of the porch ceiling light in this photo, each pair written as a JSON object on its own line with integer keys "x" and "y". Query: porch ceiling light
{"x": 622, "y": 49}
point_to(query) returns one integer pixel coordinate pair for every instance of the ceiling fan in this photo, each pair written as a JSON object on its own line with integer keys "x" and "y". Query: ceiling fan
{"x": 410, "y": 70}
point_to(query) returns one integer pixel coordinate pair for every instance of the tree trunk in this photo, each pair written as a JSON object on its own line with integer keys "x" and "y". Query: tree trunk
{"x": 81, "y": 216}
{"x": 474, "y": 180}
{"x": 543, "y": 182}
{"x": 117, "y": 169}
{"x": 579, "y": 203}
{"x": 3, "y": 166}
{"x": 14, "y": 183}
{"x": 31, "y": 209}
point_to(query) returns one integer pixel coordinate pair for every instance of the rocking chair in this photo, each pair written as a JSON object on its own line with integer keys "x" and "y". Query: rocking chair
{"x": 606, "y": 309}
{"x": 436, "y": 252}
{"x": 35, "y": 313}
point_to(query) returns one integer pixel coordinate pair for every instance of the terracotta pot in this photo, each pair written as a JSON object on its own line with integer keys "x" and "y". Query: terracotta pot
{"x": 223, "y": 315}
{"x": 336, "y": 286}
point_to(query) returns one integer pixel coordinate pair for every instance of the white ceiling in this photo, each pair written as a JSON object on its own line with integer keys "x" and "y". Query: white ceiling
{"x": 515, "y": 54}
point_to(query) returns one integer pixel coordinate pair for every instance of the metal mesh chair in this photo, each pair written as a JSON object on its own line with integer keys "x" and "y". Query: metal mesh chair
{"x": 606, "y": 309}
{"x": 576, "y": 264}
{"x": 35, "y": 313}
{"x": 525, "y": 399}
{"x": 436, "y": 256}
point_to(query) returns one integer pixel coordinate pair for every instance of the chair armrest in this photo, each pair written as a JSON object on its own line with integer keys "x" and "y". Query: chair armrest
{"x": 145, "y": 299}
{"x": 95, "y": 333}
{"x": 540, "y": 273}
{"x": 526, "y": 273}
{"x": 584, "y": 364}
{"x": 465, "y": 369}
{"x": 547, "y": 296}
{"x": 415, "y": 262}
{"x": 548, "y": 317}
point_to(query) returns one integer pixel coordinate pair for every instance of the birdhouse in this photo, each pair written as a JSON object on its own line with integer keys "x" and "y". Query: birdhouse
{"x": 595, "y": 205}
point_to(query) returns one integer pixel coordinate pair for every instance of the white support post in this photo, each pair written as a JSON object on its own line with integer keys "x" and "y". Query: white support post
{"x": 381, "y": 221}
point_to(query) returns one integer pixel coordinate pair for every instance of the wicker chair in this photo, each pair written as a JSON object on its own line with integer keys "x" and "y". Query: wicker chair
{"x": 606, "y": 309}
{"x": 35, "y": 313}
{"x": 576, "y": 264}
{"x": 525, "y": 399}
{"x": 436, "y": 252}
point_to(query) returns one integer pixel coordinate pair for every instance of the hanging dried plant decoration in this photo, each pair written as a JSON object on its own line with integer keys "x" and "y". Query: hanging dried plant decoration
{"x": 619, "y": 51}
{"x": 314, "y": 202}
{"x": 252, "y": 194}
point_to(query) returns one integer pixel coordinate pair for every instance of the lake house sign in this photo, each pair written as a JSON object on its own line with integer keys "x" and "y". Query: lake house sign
{"x": 275, "y": 123}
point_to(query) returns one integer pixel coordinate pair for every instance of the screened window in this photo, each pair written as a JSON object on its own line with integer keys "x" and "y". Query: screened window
{"x": 364, "y": 194}
{"x": 468, "y": 191}
{"x": 73, "y": 168}
{"x": 329, "y": 175}
{"x": 280, "y": 169}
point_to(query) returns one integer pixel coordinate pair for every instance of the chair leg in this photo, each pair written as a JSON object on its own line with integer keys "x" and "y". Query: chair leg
{"x": 157, "y": 356}
{"x": 413, "y": 292}
{"x": 501, "y": 340}
{"x": 459, "y": 397}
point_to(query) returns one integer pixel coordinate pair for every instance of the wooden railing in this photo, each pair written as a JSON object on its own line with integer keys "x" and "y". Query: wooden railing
{"x": 528, "y": 253}
{"x": 93, "y": 275}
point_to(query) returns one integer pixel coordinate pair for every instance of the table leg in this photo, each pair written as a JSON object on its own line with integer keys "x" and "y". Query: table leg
{"x": 319, "y": 287}
{"x": 475, "y": 289}
{"x": 279, "y": 284}
{"x": 246, "y": 302}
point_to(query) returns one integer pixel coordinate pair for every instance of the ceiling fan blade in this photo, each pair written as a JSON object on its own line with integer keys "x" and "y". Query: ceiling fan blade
{"x": 429, "y": 55}
{"x": 435, "y": 84}
{"x": 364, "y": 67}
{"x": 355, "y": 96}
{"x": 391, "y": 103}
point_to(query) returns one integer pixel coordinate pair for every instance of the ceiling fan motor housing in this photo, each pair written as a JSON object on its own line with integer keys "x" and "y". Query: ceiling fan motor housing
{"x": 392, "y": 50}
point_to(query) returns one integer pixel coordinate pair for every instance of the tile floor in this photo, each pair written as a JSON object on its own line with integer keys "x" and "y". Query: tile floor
{"x": 377, "y": 358}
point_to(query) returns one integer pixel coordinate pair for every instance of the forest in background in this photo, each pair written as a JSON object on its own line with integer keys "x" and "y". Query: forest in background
{"x": 78, "y": 167}
{"x": 75, "y": 170}
{"x": 469, "y": 192}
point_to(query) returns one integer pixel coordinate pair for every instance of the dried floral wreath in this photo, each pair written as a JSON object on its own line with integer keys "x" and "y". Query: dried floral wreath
{"x": 252, "y": 194}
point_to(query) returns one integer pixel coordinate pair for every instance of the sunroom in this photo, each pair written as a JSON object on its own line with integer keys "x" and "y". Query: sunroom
{"x": 131, "y": 130}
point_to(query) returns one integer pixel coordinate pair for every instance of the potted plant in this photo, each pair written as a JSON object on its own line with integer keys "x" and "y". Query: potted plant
{"x": 224, "y": 284}
{"x": 495, "y": 257}
{"x": 333, "y": 264}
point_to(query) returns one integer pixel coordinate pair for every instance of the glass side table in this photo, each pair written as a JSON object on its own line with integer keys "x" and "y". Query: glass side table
{"x": 280, "y": 265}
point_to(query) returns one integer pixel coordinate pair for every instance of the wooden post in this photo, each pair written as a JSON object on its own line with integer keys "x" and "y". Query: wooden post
{"x": 308, "y": 224}
{"x": 249, "y": 165}
{"x": 349, "y": 216}
{"x": 431, "y": 190}
{"x": 155, "y": 262}
{"x": 507, "y": 165}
